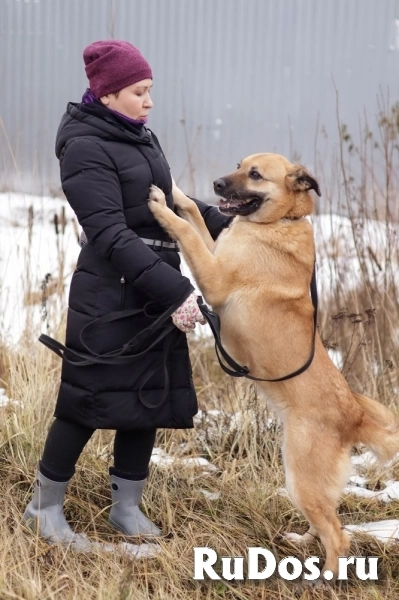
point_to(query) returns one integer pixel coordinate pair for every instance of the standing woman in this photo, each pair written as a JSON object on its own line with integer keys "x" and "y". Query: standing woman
{"x": 108, "y": 161}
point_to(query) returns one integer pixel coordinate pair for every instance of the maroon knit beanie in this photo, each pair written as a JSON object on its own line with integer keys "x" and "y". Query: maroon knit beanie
{"x": 112, "y": 65}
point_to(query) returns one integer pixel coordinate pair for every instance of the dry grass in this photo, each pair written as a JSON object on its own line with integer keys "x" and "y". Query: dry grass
{"x": 249, "y": 512}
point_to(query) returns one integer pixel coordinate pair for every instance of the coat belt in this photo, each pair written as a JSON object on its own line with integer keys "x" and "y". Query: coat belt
{"x": 159, "y": 244}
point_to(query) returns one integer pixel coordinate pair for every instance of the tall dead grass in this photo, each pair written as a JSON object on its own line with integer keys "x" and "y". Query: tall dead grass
{"x": 362, "y": 322}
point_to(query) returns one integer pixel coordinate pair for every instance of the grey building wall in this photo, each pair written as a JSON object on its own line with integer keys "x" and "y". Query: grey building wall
{"x": 231, "y": 77}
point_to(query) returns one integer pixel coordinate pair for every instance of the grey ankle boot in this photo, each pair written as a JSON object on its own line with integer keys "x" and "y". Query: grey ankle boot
{"x": 44, "y": 513}
{"x": 125, "y": 514}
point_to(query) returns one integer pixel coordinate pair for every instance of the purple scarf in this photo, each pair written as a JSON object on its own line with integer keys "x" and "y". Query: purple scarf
{"x": 88, "y": 97}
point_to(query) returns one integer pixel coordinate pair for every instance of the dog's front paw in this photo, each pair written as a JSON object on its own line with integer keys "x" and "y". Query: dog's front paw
{"x": 181, "y": 200}
{"x": 157, "y": 195}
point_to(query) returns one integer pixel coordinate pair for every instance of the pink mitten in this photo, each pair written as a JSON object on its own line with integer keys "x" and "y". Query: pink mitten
{"x": 188, "y": 314}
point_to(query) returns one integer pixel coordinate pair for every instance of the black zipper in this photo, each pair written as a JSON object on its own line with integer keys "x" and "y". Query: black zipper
{"x": 122, "y": 293}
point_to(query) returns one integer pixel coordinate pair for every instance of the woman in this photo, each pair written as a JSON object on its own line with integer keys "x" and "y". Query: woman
{"x": 108, "y": 161}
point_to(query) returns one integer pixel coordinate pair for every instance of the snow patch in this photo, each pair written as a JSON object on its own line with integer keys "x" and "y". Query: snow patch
{"x": 385, "y": 531}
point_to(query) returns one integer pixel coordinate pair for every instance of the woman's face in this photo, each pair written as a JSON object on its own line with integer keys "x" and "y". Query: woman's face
{"x": 133, "y": 101}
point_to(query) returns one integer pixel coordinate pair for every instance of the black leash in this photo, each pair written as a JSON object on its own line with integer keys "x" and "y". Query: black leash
{"x": 238, "y": 370}
{"x": 123, "y": 355}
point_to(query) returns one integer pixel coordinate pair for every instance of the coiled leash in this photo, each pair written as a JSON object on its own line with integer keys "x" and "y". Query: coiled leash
{"x": 238, "y": 370}
{"x": 124, "y": 355}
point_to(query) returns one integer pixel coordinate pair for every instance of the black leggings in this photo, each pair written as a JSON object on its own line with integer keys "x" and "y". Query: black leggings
{"x": 65, "y": 442}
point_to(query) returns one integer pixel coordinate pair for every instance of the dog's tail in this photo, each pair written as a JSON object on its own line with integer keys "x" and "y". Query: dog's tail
{"x": 379, "y": 429}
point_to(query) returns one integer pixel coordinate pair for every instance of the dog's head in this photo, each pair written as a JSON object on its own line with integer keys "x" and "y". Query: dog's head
{"x": 266, "y": 188}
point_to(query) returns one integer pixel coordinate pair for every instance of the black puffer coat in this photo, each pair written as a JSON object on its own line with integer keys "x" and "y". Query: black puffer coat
{"x": 107, "y": 167}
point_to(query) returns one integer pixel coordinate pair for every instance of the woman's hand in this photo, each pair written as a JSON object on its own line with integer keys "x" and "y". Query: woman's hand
{"x": 188, "y": 314}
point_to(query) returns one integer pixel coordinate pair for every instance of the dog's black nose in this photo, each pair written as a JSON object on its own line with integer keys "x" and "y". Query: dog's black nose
{"x": 219, "y": 185}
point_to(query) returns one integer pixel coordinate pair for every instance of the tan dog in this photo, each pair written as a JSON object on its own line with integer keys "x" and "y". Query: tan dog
{"x": 256, "y": 276}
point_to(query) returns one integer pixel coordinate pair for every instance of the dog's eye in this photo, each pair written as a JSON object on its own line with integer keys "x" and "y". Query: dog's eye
{"x": 255, "y": 175}
{"x": 238, "y": 165}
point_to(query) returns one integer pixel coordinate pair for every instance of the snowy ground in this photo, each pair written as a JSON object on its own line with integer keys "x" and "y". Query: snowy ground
{"x": 336, "y": 246}
{"x": 31, "y": 248}
{"x": 28, "y": 253}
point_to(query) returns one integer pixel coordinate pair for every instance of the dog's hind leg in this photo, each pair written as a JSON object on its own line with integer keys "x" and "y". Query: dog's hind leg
{"x": 316, "y": 473}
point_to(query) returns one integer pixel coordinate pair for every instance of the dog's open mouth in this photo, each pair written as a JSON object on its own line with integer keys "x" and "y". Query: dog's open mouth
{"x": 241, "y": 206}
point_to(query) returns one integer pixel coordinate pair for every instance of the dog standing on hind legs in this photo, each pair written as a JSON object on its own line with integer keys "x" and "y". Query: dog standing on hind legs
{"x": 257, "y": 276}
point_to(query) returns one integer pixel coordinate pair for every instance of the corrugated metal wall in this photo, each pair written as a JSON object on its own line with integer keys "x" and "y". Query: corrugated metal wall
{"x": 231, "y": 77}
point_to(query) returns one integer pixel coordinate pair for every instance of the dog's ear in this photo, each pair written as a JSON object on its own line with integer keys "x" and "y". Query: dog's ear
{"x": 300, "y": 181}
